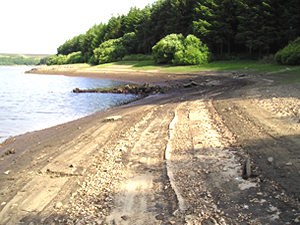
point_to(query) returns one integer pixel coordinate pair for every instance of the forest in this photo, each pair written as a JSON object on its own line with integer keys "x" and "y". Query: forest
{"x": 229, "y": 28}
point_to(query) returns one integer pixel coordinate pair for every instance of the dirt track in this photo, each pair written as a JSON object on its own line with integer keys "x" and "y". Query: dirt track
{"x": 167, "y": 159}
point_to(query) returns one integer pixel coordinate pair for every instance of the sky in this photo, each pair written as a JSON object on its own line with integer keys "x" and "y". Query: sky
{"x": 41, "y": 26}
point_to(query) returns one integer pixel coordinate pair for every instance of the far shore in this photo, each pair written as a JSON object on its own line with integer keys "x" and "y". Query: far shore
{"x": 117, "y": 73}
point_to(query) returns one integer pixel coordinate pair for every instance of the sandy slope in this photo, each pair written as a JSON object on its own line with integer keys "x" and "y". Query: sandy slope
{"x": 167, "y": 159}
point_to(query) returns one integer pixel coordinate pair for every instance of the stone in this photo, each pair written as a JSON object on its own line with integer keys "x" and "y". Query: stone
{"x": 10, "y": 151}
{"x": 59, "y": 205}
{"x": 7, "y": 172}
{"x": 159, "y": 217}
{"x": 124, "y": 217}
{"x": 270, "y": 159}
{"x": 247, "y": 169}
{"x": 112, "y": 118}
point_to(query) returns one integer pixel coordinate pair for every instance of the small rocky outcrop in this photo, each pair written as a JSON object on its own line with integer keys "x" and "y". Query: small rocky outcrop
{"x": 145, "y": 89}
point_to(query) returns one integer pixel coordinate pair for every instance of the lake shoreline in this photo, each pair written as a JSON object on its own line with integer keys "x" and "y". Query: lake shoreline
{"x": 116, "y": 73}
{"x": 50, "y": 102}
{"x": 169, "y": 149}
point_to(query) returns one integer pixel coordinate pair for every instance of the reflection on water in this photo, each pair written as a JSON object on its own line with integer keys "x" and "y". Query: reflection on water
{"x": 32, "y": 102}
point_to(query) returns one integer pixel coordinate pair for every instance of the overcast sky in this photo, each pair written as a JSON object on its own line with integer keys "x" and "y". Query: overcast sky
{"x": 40, "y": 26}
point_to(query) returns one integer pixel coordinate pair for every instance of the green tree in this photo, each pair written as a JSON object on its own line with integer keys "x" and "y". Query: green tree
{"x": 164, "y": 51}
{"x": 109, "y": 51}
{"x": 289, "y": 55}
{"x": 194, "y": 52}
{"x": 73, "y": 45}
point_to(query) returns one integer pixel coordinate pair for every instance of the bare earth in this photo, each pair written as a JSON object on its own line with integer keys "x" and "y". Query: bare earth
{"x": 177, "y": 158}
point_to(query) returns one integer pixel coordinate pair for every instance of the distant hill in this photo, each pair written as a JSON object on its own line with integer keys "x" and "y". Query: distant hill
{"x": 21, "y": 59}
{"x": 25, "y": 55}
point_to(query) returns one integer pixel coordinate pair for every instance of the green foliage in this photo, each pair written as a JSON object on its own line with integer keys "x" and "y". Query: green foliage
{"x": 72, "y": 58}
{"x": 289, "y": 55}
{"x": 227, "y": 27}
{"x": 114, "y": 49}
{"x": 176, "y": 49}
{"x": 109, "y": 51}
{"x": 164, "y": 51}
{"x": 129, "y": 41}
{"x": 137, "y": 57}
{"x": 73, "y": 45}
{"x": 19, "y": 60}
{"x": 57, "y": 60}
{"x": 75, "y": 57}
{"x": 194, "y": 52}
{"x": 44, "y": 60}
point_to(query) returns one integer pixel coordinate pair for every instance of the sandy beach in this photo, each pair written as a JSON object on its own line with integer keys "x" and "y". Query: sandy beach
{"x": 222, "y": 150}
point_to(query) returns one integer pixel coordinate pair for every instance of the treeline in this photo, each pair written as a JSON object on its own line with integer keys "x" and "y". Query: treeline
{"x": 19, "y": 60}
{"x": 228, "y": 27}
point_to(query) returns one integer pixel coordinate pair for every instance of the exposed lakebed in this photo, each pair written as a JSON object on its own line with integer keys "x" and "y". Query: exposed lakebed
{"x": 31, "y": 102}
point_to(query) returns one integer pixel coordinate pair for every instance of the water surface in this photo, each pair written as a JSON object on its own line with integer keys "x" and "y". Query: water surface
{"x": 31, "y": 102}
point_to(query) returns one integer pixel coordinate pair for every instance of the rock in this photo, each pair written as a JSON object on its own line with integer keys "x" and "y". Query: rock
{"x": 159, "y": 217}
{"x": 124, "y": 217}
{"x": 246, "y": 207}
{"x": 247, "y": 169}
{"x": 3, "y": 203}
{"x": 270, "y": 159}
{"x": 7, "y": 172}
{"x": 59, "y": 205}
{"x": 191, "y": 84}
{"x": 289, "y": 164}
{"x": 112, "y": 118}
{"x": 10, "y": 151}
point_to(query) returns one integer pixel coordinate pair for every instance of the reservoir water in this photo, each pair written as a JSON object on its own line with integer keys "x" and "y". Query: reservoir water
{"x": 31, "y": 102}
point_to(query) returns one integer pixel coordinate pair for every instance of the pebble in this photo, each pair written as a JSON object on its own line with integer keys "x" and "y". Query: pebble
{"x": 289, "y": 164}
{"x": 124, "y": 217}
{"x": 59, "y": 205}
{"x": 7, "y": 172}
{"x": 3, "y": 203}
{"x": 270, "y": 159}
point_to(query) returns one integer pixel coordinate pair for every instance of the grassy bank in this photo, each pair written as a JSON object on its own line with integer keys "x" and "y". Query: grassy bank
{"x": 290, "y": 73}
{"x": 246, "y": 66}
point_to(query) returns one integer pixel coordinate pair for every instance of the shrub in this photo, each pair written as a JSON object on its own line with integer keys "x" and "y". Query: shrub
{"x": 137, "y": 57}
{"x": 109, "y": 51}
{"x": 194, "y": 52}
{"x": 178, "y": 50}
{"x": 165, "y": 49}
{"x": 130, "y": 42}
{"x": 289, "y": 55}
{"x": 75, "y": 57}
{"x": 57, "y": 60}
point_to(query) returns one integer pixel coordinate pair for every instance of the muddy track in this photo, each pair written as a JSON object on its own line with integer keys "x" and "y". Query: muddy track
{"x": 168, "y": 159}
